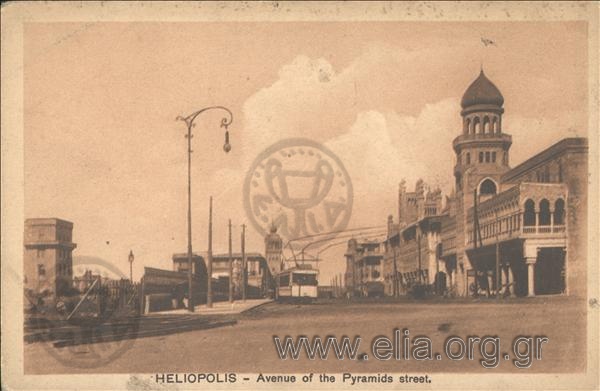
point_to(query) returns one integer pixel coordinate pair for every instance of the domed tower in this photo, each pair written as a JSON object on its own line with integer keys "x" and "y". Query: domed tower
{"x": 481, "y": 159}
{"x": 482, "y": 148}
{"x": 274, "y": 250}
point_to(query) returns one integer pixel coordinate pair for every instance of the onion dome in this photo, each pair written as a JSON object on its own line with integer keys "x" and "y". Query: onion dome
{"x": 482, "y": 92}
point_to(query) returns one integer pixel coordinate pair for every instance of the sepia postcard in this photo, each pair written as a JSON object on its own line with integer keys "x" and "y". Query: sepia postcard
{"x": 291, "y": 195}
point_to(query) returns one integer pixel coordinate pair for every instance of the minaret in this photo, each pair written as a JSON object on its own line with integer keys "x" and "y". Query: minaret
{"x": 482, "y": 156}
{"x": 482, "y": 150}
{"x": 274, "y": 250}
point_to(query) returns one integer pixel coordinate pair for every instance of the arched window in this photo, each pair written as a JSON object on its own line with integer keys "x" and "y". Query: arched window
{"x": 529, "y": 213}
{"x": 467, "y": 129}
{"x": 559, "y": 212}
{"x": 487, "y": 187}
{"x": 544, "y": 212}
{"x": 495, "y": 128}
{"x": 476, "y": 125}
{"x": 468, "y": 158}
{"x": 486, "y": 125}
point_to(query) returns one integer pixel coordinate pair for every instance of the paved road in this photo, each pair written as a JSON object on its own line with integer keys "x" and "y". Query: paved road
{"x": 248, "y": 345}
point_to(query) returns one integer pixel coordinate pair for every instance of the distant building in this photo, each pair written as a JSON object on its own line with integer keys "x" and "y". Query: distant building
{"x": 410, "y": 253}
{"x": 423, "y": 202}
{"x": 47, "y": 259}
{"x": 364, "y": 268}
{"x": 274, "y": 251}
{"x": 181, "y": 264}
{"x": 534, "y": 216}
{"x": 259, "y": 275}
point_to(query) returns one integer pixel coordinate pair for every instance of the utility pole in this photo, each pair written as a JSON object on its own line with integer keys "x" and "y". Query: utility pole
{"x": 230, "y": 267}
{"x": 189, "y": 122}
{"x": 395, "y": 279}
{"x": 209, "y": 256}
{"x": 244, "y": 263}
{"x": 189, "y": 219}
{"x": 437, "y": 270}
{"x": 419, "y": 252}
{"x": 497, "y": 257}
{"x": 353, "y": 276}
{"x": 475, "y": 232}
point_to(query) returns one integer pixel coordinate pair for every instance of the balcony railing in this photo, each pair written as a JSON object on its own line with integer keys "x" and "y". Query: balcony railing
{"x": 465, "y": 138}
{"x": 544, "y": 229}
{"x": 518, "y": 212}
{"x": 509, "y": 227}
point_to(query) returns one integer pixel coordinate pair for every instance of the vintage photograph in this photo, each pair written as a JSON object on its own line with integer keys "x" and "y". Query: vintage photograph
{"x": 307, "y": 202}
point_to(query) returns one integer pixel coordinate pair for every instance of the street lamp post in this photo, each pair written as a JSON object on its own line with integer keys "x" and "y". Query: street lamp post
{"x": 189, "y": 121}
{"x": 131, "y": 266}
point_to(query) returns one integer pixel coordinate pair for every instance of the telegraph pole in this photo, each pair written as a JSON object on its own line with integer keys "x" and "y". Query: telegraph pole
{"x": 209, "y": 261}
{"x": 189, "y": 219}
{"x": 244, "y": 263}
{"x": 419, "y": 253}
{"x": 475, "y": 232}
{"x": 437, "y": 271}
{"x": 395, "y": 279}
{"x": 497, "y": 257}
{"x": 230, "y": 267}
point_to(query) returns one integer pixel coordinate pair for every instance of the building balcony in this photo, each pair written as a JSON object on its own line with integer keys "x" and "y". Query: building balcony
{"x": 479, "y": 137}
{"x": 543, "y": 229}
{"x": 528, "y": 210}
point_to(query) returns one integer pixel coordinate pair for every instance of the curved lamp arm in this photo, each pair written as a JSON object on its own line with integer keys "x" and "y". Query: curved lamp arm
{"x": 225, "y": 122}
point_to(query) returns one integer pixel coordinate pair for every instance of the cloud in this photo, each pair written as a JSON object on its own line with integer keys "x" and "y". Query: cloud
{"x": 349, "y": 111}
{"x": 381, "y": 149}
{"x": 389, "y": 113}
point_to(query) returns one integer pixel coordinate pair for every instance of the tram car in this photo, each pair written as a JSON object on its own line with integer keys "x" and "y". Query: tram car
{"x": 297, "y": 284}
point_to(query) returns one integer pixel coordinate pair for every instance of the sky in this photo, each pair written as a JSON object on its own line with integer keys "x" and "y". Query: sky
{"x": 103, "y": 148}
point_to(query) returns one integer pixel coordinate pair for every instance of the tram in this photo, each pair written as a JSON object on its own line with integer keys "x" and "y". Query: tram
{"x": 297, "y": 284}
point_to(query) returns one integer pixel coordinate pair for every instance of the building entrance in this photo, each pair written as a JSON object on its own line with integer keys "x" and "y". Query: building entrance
{"x": 550, "y": 271}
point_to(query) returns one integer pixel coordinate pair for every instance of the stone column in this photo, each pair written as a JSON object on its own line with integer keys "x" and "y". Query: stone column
{"x": 510, "y": 280}
{"x": 531, "y": 276}
{"x": 500, "y": 279}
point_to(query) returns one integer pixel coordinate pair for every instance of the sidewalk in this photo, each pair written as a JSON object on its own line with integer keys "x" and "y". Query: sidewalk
{"x": 218, "y": 308}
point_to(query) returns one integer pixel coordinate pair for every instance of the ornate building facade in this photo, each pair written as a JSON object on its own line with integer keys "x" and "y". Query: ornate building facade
{"x": 524, "y": 227}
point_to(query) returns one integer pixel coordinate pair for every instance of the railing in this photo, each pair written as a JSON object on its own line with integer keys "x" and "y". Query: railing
{"x": 510, "y": 226}
{"x": 481, "y": 136}
{"x": 544, "y": 229}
